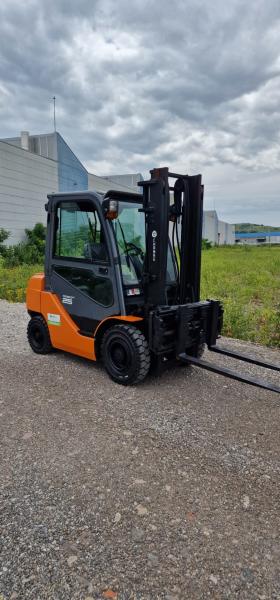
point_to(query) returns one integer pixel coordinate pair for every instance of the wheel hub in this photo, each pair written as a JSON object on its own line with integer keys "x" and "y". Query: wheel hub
{"x": 120, "y": 356}
{"x": 38, "y": 338}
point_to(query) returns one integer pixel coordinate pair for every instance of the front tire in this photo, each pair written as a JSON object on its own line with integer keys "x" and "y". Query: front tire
{"x": 38, "y": 335}
{"x": 125, "y": 354}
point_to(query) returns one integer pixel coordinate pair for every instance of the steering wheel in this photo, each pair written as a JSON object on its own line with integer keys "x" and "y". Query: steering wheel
{"x": 138, "y": 251}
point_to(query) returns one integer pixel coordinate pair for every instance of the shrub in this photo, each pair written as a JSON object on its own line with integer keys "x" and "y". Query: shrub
{"x": 206, "y": 244}
{"x": 4, "y": 234}
{"x": 29, "y": 252}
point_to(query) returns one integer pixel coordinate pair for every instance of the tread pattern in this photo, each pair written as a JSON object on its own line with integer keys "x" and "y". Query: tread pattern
{"x": 142, "y": 349}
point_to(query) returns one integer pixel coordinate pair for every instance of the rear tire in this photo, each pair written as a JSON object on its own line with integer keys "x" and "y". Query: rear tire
{"x": 38, "y": 335}
{"x": 125, "y": 354}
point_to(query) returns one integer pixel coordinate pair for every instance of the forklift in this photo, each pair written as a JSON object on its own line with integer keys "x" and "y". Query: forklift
{"x": 122, "y": 281}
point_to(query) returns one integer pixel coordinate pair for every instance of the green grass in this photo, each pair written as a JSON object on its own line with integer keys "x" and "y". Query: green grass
{"x": 13, "y": 281}
{"x": 246, "y": 279}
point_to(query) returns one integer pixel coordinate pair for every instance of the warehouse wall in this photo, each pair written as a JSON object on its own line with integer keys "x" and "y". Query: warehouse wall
{"x": 210, "y": 226}
{"x": 72, "y": 175}
{"x": 222, "y": 233}
{"x": 26, "y": 177}
{"x": 103, "y": 184}
{"x": 230, "y": 234}
{"x": 44, "y": 144}
{"x": 217, "y": 232}
{"x": 25, "y": 181}
{"x": 129, "y": 180}
{"x": 226, "y": 233}
{"x": 257, "y": 239}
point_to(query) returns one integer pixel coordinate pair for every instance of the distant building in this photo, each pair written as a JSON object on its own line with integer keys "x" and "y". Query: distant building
{"x": 71, "y": 174}
{"x": 32, "y": 166}
{"x": 216, "y": 231}
{"x": 259, "y": 238}
{"x": 129, "y": 180}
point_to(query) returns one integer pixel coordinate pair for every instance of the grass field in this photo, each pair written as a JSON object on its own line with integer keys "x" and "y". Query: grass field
{"x": 246, "y": 279}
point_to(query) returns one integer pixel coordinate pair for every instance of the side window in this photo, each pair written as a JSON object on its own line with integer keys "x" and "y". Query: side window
{"x": 99, "y": 289}
{"x": 79, "y": 233}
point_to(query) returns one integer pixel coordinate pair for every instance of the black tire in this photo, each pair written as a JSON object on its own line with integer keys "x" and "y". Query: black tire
{"x": 125, "y": 354}
{"x": 38, "y": 335}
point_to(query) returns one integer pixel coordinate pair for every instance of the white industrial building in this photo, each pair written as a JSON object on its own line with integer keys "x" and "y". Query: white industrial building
{"x": 216, "y": 231}
{"x": 258, "y": 238}
{"x": 32, "y": 166}
{"x": 129, "y": 180}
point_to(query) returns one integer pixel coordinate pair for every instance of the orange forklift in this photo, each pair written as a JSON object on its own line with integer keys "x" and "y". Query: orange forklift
{"x": 122, "y": 281}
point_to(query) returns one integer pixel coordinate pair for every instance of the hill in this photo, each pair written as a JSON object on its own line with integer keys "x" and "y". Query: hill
{"x": 253, "y": 228}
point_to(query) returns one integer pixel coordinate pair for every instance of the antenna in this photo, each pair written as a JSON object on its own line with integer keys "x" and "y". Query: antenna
{"x": 54, "y": 119}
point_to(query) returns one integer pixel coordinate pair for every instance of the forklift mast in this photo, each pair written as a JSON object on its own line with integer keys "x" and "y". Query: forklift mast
{"x": 191, "y": 322}
{"x": 186, "y": 213}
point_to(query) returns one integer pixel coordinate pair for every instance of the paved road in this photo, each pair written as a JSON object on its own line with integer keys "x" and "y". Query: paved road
{"x": 166, "y": 491}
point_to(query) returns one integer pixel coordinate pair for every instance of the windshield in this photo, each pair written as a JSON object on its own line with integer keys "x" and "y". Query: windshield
{"x": 129, "y": 228}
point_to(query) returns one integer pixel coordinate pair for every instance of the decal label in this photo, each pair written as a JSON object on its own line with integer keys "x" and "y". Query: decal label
{"x": 67, "y": 299}
{"x": 53, "y": 319}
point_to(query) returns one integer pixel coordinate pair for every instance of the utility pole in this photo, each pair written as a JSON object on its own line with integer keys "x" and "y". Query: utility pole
{"x": 54, "y": 119}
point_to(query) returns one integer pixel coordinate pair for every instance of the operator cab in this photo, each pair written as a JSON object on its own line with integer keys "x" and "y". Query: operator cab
{"x": 96, "y": 258}
{"x": 129, "y": 229}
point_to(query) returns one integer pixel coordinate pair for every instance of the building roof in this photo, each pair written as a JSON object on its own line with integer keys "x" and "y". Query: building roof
{"x": 258, "y": 234}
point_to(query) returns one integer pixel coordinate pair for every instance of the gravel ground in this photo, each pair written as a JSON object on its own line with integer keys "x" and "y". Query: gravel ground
{"x": 168, "y": 490}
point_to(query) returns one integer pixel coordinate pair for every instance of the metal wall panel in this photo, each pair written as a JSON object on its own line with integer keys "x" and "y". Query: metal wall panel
{"x": 129, "y": 180}
{"x": 25, "y": 181}
{"x": 102, "y": 185}
{"x": 210, "y": 226}
{"x": 72, "y": 175}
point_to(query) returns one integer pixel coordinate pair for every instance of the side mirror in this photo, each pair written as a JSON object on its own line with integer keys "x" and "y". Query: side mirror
{"x": 111, "y": 209}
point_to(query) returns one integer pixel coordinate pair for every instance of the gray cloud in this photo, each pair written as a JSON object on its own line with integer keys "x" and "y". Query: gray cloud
{"x": 190, "y": 85}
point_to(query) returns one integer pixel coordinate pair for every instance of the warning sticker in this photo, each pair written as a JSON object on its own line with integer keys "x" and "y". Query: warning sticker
{"x": 53, "y": 319}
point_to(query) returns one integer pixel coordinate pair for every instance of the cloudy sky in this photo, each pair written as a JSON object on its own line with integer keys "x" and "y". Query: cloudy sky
{"x": 190, "y": 84}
